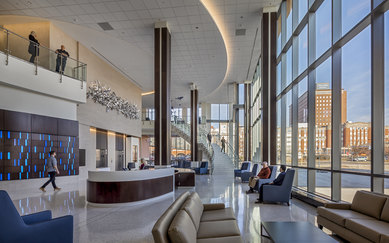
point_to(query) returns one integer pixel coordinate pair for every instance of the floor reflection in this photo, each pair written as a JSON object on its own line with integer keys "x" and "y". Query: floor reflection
{"x": 134, "y": 223}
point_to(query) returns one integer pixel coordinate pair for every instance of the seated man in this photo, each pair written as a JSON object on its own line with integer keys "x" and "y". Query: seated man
{"x": 277, "y": 182}
{"x": 263, "y": 174}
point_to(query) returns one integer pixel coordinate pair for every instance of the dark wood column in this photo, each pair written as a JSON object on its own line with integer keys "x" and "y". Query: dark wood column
{"x": 247, "y": 122}
{"x": 268, "y": 60}
{"x": 162, "y": 60}
{"x": 194, "y": 118}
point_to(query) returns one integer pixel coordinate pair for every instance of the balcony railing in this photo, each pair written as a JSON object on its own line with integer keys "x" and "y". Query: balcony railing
{"x": 20, "y": 47}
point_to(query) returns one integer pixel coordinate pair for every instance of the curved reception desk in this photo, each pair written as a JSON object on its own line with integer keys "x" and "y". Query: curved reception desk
{"x": 110, "y": 187}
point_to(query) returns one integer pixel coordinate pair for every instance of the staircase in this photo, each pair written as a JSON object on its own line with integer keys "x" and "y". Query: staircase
{"x": 223, "y": 165}
{"x": 183, "y": 130}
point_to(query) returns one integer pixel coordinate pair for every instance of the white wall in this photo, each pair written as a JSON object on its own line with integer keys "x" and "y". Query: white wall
{"x": 15, "y": 99}
{"x": 21, "y": 74}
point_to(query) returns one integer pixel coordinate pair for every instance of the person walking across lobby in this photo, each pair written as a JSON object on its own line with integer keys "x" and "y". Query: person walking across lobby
{"x": 62, "y": 56}
{"x": 263, "y": 174}
{"x": 33, "y": 47}
{"x": 223, "y": 145}
{"x": 277, "y": 182}
{"x": 52, "y": 169}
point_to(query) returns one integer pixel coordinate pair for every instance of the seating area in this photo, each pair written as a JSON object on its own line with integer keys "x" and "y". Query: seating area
{"x": 366, "y": 219}
{"x": 189, "y": 220}
{"x": 35, "y": 228}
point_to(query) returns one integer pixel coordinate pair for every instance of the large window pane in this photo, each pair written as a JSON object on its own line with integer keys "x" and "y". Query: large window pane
{"x": 241, "y": 94}
{"x": 289, "y": 128}
{"x": 300, "y": 178}
{"x": 323, "y": 183}
{"x": 356, "y": 102}
{"x": 289, "y": 18}
{"x": 323, "y": 28}
{"x": 279, "y": 34}
{"x": 279, "y": 78}
{"x": 303, "y": 8}
{"x": 223, "y": 112}
{"x": 303, "y": 50}
{"x": 353, "y": 183}
{"x": 215, "y": 111}
{"x": 353, "y": 11}
{"x": 323, "y": 105}
{"x": 386, "y": 93}
{"x": 279, "y": 132}
{"x": 289, "y": 66}
{"x": 302, "y": 118}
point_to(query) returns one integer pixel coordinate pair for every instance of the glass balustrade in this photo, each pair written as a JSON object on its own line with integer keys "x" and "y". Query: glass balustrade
{"x": 41, "y": 56}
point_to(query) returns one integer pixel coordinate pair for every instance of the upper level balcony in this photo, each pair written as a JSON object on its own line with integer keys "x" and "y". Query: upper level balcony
{"x": 27, "y": 65}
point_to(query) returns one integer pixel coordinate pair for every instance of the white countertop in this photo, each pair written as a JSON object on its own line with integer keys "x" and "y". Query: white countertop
{"x": 132, "y": 175}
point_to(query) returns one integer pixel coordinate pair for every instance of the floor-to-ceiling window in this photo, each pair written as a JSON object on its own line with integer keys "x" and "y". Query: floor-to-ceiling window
{"x": 255, "y": 110}
{"x": 332, "y": 95}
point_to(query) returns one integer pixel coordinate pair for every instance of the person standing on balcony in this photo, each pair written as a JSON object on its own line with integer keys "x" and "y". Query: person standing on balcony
{"x": 209, "y": 136}
{"x": 33, "y": 47}
{"x": 62, "y": 56}
{"x": 223, "y": 145}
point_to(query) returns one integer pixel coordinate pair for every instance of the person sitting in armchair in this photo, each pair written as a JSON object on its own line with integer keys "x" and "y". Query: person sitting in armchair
{"x": 263, "y": 174}
{"x": 277, "y": 182}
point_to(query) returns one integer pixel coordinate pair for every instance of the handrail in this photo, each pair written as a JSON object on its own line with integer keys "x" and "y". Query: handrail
{"x": 10, "y": 31}
{"x": 38, "y": 48}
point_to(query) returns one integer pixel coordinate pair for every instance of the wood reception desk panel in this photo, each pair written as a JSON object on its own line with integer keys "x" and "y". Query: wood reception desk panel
{"x": 109, "y": 187}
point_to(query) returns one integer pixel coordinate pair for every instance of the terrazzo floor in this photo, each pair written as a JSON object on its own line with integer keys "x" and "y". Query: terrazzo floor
{"x": 134, "y": 223}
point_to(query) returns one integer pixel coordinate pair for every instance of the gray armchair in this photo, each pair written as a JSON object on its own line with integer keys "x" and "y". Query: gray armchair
{"x": 273, "y": 170}
{"x": 244, "y": 176}
{"x": 245, "y": 167}
{"x": 273, "y": 193}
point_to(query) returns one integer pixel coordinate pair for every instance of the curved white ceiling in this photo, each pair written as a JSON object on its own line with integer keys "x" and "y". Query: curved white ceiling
{"x": 199, "y": 53}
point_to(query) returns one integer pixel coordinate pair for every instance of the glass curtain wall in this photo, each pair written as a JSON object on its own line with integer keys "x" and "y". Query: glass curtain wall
{"x": 256, "y": 108}
{"x": 332, "y": 80}
{"x": 220, "y": 121}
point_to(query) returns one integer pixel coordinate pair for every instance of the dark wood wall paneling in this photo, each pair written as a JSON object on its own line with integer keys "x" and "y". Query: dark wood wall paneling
{"x": 26, "y": 139}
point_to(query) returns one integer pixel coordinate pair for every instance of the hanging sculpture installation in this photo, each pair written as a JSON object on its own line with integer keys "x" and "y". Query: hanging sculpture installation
{"x": 103, "y": 95}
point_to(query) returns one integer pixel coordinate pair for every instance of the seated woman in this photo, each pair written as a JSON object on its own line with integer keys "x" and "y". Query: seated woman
{"x": 263, "y": 174}
{"x": 142, "y": 164}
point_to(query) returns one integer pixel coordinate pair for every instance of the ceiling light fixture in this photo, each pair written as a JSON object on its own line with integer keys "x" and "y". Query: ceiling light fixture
{"x": 148, "y": 93}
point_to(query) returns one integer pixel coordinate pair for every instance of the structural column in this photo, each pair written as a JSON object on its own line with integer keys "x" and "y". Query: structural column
{"x": 268, "y": 61}
{"x": 194, "y": 119}
{"x": 162, "y": 60}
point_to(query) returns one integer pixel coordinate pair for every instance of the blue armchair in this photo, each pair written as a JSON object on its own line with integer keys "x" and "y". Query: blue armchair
{"x": 244, "y": 168}
{"x": 32, "y": 228}
{"x": 272, "y": 177}
{"x": 203, "y": 169}
{"x": 272, "y": 193}
{"x": 246, "y": 175}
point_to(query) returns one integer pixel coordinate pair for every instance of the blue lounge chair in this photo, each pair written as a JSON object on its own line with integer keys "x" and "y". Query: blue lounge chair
{"x": 282, "y": 193}
{"x": 203, "y": 169}
{"x": 244, "y": 168}
{"x": 32, "y": 228}
{"x": 246, "y": 175}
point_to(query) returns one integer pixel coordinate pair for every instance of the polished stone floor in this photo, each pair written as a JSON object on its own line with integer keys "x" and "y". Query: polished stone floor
{"x": 134, "y": 223}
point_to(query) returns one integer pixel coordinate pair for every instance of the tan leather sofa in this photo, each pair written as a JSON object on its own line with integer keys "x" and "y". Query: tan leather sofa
{"x": 366, "y": 219}
{"x": 188, "y": 220}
